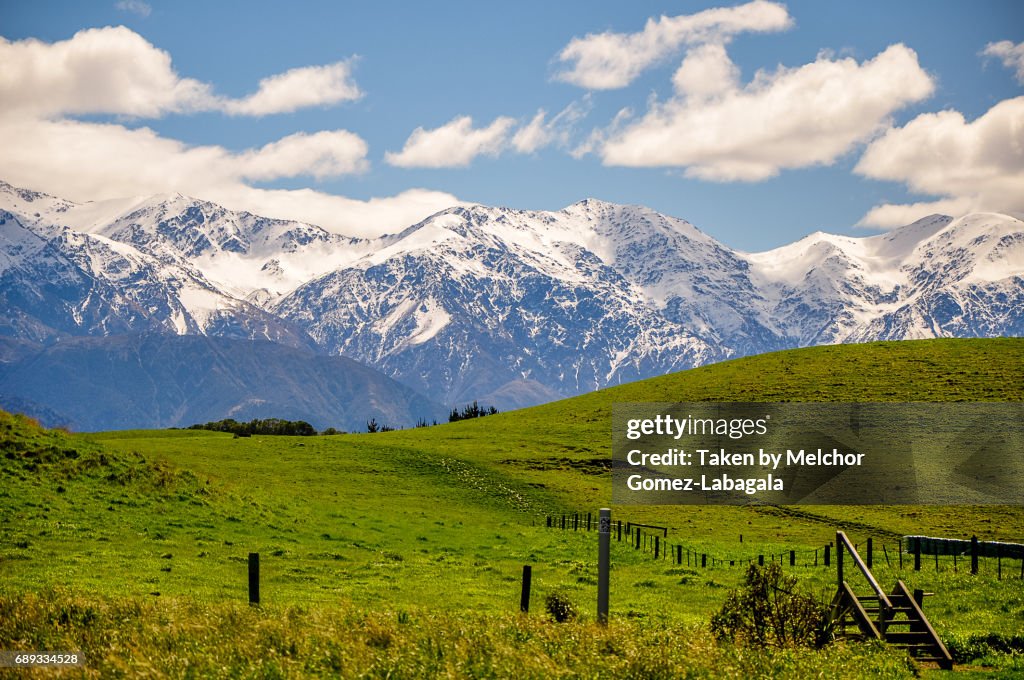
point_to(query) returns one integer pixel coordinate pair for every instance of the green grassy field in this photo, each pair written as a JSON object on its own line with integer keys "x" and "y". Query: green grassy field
{"x": 406, "y": 532}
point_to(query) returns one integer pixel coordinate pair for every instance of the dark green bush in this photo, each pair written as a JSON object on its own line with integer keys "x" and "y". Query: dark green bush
{"x": 560, "y": 607}
{"x": 768, "y": 612}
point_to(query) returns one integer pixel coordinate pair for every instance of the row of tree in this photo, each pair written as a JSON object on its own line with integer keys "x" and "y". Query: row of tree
{"x": 300, "y": 428}
{"x": 473, "y": 410}
{"x": 278, "y": 426}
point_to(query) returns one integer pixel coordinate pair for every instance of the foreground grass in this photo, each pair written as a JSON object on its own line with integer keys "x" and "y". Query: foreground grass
{"x": 126, "y": 637}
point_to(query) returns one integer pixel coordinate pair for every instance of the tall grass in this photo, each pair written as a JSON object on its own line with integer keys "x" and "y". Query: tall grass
{"x": 183, "y": 638}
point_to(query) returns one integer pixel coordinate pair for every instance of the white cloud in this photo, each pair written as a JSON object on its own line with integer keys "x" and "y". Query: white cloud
{"x": 98, "y": 70}
{"x": 791, "y": 118}
{"x": 706, "y": 72}
{"x": 453, "y": 145}
{"x": 534, "y": 135}
{"x": 135, "y": 6}
{"x": 114, "y": 70}
{"x": 973, "y": 166}
{"x": 541, "y": 132}
{"x": 93, "y": 161}
{"x": 890, "y": 215}
{"x": 367, "y": 219}
{"x": 612, "y": 60}
{"x": 322, "y": 154}
{"x": 1011, "y": 55}
{"x": 299, "y": 88}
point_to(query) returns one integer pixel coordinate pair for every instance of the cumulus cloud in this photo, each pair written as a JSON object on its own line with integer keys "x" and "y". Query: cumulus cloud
{"x": 299, "y": 88}
{"x": 534, "y": 135}
{"x": 971, "y": 166}
{"x": 706, "y": 72}
{"x": 612, "y": 60}
{"x": 453, "y": 145}
{"x": 1011, "y": 55}
{"x": 322, "y": 154}
{"x": 99, "y": 70}
{"x": 790, "y": 118}
{"x": 94, "y": 161}
{"x": 457, "y": 143}
{"x": 116, "y": 71}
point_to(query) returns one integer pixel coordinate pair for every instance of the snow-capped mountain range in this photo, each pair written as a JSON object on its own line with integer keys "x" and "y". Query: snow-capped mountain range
{"x": 510, "y": 307}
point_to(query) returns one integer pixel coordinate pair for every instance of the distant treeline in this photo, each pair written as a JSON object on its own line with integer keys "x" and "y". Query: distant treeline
{"x": 474, "y": 410}
{"x": 300, "y": 428}
{"x": 290, "y": 428}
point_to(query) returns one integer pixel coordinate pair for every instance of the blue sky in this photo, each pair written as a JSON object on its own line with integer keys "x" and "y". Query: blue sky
{"x": 758, "y": 122}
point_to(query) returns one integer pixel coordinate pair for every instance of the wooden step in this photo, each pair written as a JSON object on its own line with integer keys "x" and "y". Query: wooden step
{"x": 908, "y": 636}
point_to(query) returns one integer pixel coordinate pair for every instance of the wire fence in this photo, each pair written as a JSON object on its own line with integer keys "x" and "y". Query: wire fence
{"x": 1003, "y": 560}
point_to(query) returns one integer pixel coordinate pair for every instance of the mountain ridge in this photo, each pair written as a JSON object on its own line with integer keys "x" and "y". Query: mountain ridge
{"x": 509, "y": 306}
{"x": 163, "y": 380}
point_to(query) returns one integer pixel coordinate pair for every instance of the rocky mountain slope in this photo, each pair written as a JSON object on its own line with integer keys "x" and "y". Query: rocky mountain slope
{"x": 510, "y": 307}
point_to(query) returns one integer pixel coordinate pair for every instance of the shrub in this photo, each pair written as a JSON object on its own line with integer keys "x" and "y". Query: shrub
{"x": 768, "y": 612}
{"x": 965, "y": 649}
{"x": 560, "y": 607}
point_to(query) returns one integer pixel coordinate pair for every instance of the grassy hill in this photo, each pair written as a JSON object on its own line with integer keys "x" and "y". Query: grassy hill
{"x": 440, "y": 520}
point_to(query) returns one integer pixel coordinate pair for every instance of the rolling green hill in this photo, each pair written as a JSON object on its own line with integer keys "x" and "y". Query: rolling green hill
{"x": 442, "y": 519}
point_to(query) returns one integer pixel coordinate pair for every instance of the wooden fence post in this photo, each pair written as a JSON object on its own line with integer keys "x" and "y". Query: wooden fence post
{"x": 254, "y": 578}
{"x": 871, "y": 554}
{"x": 760, "y": 560}
{"x": 917, "y": 554}
{"x": 828, "y": 555}
{"x": 657, "y": 546}
{"x": 588, "y": 521}
{"x": 620, "y": 531}
{"x": 792, "y": 558}
{"x": 839, "y": 561}
{"x": 704, "y": 560}
{"x": 679, "y": 555}
{"x": 974, "y": 554}
{"x": 604, "y": 538}
{"x": 524, "y": 598}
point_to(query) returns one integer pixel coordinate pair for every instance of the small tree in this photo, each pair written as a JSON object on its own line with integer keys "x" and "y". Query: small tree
{"x": 768, "y": 612}
{"x": 372, "y": 426}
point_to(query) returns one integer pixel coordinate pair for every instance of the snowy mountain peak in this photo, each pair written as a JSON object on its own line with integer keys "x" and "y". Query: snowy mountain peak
{"x": 507, "y": 306}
